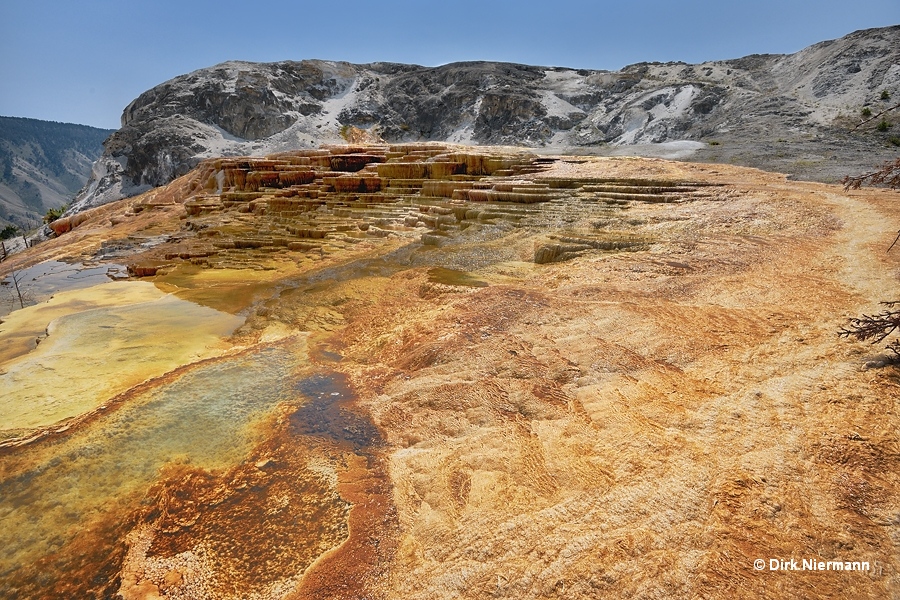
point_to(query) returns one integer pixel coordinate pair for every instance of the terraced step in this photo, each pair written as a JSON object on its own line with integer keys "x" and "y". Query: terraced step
{"x": 640, "y": 197}
{"x": 333, "y": 198}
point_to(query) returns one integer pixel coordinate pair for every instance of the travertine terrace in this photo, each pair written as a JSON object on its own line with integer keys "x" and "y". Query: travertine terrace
{"x": 326, "y": 200}
{"x": 474, "y": 373}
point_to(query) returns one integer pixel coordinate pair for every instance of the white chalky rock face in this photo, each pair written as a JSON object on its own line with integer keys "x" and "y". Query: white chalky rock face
{"x": 243, "y": 108}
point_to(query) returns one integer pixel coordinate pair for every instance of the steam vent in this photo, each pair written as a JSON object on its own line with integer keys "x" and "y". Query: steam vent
{"x": 431, "y": 371}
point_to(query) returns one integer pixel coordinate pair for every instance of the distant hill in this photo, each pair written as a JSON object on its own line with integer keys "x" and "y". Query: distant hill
{"x": 43, "y": 164}
{"x": 792, "y": 113}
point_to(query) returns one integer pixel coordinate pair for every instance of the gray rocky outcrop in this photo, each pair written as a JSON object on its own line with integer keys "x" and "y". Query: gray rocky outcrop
{"x": 791, "y": 113}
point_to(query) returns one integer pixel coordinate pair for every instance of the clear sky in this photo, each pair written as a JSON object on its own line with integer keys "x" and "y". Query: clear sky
{"x": 84, "y": 61}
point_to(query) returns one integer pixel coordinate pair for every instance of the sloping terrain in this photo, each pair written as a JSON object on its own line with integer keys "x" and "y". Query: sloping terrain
{"x": 786, "y": 113}
{"x": 43, "y": 165}
{"x": 469, "y": 373}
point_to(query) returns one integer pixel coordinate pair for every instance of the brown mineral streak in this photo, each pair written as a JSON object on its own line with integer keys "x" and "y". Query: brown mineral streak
{"x": 621, "y": 394}
{"x": 230, "y": 516}
{"x": 350, "y": 570}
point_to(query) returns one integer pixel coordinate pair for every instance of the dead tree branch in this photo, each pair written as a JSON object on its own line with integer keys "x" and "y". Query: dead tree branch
{"x": 876, "y": 327}
{"x": 875, "y": 116}
{"x": 15, "y": 281}
{"x": 879, "y": 326}
{"x": 888, "y": 174}
{"x": 894, "y": 242}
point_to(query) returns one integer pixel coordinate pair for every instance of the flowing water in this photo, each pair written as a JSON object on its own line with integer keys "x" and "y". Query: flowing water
{"x": 40, "y": 281}
{"x": 327, "y": 416}
{"x": 202, "y": 417}
{"x": 88, "y": 356}
{"x": 208, "y": 419}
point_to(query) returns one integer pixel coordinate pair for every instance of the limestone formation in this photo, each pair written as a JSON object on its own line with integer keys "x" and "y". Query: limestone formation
{"x": 426, "y": 191}
{"x": 788, "y": 113}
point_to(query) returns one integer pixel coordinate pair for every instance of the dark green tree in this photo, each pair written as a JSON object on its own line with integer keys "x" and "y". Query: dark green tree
{"x": 55, "y": 213}
{"x": 9, "y": 232}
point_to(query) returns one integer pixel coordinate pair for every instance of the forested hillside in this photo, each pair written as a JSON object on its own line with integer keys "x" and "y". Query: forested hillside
{"x": 43, "y": 164}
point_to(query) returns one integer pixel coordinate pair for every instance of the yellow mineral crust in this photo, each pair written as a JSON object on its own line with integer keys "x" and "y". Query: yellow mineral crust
{"x": 100, "y": 341}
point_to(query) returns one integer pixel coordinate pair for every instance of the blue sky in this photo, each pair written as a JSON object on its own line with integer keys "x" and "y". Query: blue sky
{"x": 84, "y": 61}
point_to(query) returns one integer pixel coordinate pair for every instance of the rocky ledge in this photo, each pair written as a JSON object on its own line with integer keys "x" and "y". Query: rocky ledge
{"x": 326, "y": 201}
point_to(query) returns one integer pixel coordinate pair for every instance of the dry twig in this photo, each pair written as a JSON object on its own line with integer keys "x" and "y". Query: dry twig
{"x": 888, "y": 174}
{"x": 876, "y": 327}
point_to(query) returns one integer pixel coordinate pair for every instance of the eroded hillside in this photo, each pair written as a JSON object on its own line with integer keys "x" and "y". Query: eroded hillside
{"x": 460, "y": 373}
{"x": 788, "y": 113}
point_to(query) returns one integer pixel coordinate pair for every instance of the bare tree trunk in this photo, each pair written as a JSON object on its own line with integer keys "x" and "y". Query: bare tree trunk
{"x": 15, "y": 280}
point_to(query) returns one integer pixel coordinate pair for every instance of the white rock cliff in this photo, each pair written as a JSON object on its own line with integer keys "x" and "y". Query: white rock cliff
{"x": 790, "y": 113}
